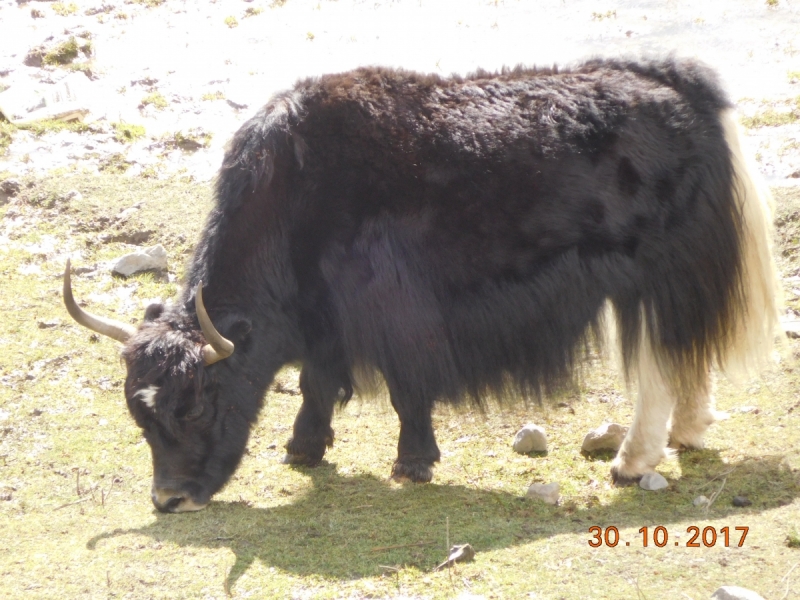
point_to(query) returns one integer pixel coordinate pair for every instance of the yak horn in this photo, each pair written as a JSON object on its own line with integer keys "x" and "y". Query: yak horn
{"x": 218, "y": 348}
{"x": 114, "y": 329}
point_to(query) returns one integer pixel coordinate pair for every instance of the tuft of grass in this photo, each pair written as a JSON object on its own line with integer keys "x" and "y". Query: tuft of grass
{"x": 609, "y": 14}
{"x": 156, "y": 99}
{"x": 772, "y": 3}
{"x": 211, "y": 96}
{"x": 128, "y": 132}
{"x": 252, "y": 11}
{"x": 67, "y": 51}
{"x": 794, "y": 76}
{"x": 6, "y": 135}
{"x": 147, "y": 3}
{"x": 277, "y": 3}
{"x": 63, "y": 9}
{"x": 115, "y": 163}
{"x": 771, "y": 117}
{"x": 45, "y": 126}
{"x": 309, "y": 37}
{"x": 190, "y": 140}
{"x": 793, "y": 539}
{"x": 231, "y": 22}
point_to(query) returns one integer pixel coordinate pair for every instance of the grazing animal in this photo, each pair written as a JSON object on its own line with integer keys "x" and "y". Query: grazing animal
{"x": 460, "y": 238}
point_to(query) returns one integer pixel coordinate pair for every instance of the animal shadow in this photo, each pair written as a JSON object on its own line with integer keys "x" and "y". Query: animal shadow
{"x": 346, "y": 526}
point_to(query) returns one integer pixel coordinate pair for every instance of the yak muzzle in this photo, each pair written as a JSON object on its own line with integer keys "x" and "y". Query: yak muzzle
{"x": 172, "y": 501}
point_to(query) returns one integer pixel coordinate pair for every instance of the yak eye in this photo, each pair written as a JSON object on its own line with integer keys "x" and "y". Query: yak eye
{"x": 195, "y": 412}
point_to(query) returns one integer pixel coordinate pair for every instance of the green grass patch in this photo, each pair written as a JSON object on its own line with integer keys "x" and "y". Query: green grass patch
{"x": 128, "y": 132}
{"x": 67, "y": 51}
{"x": 6, "y": 136}
{"x": 770, "y": 116}
{"x": 115, "y": 163}
{"x": 189, "y": 140}
{"x": 64, "y": 9}
{"x": 231, "y": 22}
{"x": 74, "y": 490}
{"x": 156, "y": 99}
{"x": 211, "y": 96}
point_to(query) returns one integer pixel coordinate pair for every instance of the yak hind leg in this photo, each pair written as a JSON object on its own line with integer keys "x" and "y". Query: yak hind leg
{"x": 691, "y": 416}
{"x": 416, "y": 449}
{"x": 645, "y": 444}
{"x": 312, "y": 433}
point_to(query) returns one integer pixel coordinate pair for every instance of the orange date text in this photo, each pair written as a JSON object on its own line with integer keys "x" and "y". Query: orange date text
{"x": 707, "y": 537}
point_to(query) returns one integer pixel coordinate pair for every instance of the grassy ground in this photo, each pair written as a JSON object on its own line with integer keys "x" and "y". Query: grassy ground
{"x": 75, "y": 472}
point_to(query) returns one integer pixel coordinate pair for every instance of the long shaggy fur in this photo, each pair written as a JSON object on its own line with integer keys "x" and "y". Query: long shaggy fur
{"x": 460, "y": 237}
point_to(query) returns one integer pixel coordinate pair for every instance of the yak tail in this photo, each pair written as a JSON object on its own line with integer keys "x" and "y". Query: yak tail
{"x": 750, "y": 343}
{"x": 741, "y": 339}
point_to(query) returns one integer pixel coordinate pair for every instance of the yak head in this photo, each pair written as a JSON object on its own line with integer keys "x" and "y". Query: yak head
{"x": 196, "y": 437}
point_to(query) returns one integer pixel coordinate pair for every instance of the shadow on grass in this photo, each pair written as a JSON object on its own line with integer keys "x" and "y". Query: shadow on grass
{"x": 346, "y": 526}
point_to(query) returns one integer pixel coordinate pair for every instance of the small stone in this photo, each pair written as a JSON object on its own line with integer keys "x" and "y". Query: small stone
{"x": 734, "y": 592}
{"x": 73, "y": 195}
{"x": 608, "y": 436}
{"x": 546, "y": 493}
{"x": 530, "y": 438}
{"x": 49, "y": 324}
{"x": 653, "y": 481}
{"x": 700, "y": 501}
{"x": 150, "y": 259}
{"x": 741, "y": 501}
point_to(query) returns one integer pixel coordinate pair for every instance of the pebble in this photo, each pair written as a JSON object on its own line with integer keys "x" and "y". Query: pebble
{"x": 150, "y": 259}
{"x": 653, "y": 481}
{"x": 741, "y": 501}
{"x": 547, "y": 493}
{"x": 700, "y": 501}
{"x": 608, "y": 436}
{"x": 734, "y": 592}
{"x": 530, "y": 438}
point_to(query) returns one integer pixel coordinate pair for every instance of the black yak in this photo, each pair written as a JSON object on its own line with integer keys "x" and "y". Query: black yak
{"x": 459, "y": 238}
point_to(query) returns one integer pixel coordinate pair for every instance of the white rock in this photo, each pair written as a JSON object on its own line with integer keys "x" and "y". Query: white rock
{"x": 546, "y": 493}
{"x": 700, "y": 501}
{"x": 153, "y": 258}
{"x": 530, "y": 438}
{"x": 608, "y": 436}
{"x": 653, "y": 481}
{"x": 733, "y": 592}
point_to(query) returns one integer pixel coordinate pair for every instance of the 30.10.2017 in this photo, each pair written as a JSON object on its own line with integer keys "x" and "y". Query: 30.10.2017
{"x": 707, "y": 537}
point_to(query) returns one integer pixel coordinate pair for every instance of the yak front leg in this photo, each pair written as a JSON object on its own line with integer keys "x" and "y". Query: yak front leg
{"x": 312, "y": 433}
{"x": 416, "y": 450}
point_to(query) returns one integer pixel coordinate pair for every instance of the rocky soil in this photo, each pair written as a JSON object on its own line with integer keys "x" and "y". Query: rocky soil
{"x": 162, "y": 84}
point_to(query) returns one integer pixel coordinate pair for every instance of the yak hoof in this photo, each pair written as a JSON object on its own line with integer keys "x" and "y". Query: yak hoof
{"x": 306, "y": 451}
{"x": 415, "y": 471}
{"x": 620, "y": 480}
{"x": 299, "y": 459}
{"x": 685, "y": 446}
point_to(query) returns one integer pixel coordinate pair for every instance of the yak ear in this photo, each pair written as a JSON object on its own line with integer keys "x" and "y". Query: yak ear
{"x": 153, "y": 311}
